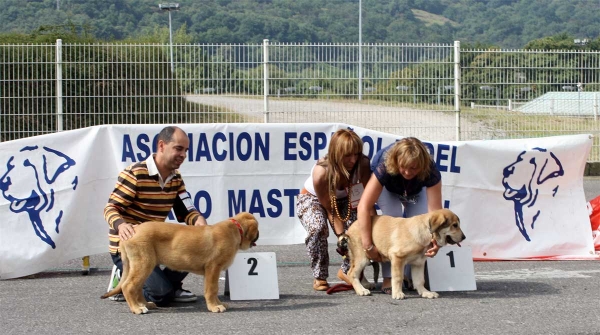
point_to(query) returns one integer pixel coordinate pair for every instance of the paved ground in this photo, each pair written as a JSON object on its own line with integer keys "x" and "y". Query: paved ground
{"x": 542, "y": 297}
{"x": 426, "y": 124}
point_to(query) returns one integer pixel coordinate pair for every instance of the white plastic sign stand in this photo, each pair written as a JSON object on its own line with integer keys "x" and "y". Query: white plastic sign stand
{"x": 452, "y": 270}
{"x": 253, "y": 276}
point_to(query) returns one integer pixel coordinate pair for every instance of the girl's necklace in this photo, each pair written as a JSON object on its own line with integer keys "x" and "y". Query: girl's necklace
{"x": 335, "y": 207}
{"x": 404, "y": 185}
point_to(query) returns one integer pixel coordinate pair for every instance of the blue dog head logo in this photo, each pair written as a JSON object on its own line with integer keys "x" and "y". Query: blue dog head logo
{"x": 38, "y": 171}
{"x": 532, "y": 171}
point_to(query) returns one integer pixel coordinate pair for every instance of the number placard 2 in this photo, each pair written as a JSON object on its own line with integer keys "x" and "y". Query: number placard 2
{"x": 452, "y": 270}
{"x": 253, "y": 276}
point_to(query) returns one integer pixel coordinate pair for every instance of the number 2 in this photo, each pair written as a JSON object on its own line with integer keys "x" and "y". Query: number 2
{"x": 254, "y": 262}
{"x": 451, "y": 256}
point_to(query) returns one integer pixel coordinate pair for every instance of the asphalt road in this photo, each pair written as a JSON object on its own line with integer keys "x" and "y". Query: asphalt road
{"x": 522, "y": 297}
{"x": 366, "y": 114}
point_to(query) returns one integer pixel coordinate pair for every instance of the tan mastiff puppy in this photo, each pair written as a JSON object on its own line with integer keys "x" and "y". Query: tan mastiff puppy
{"x": 403, "y": 241}
{"x": 203, "y": 250}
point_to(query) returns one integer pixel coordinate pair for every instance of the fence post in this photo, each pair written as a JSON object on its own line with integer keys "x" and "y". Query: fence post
{"x": 457, "y": 87}
{"x": 266, "y": 79}
{"x": 59, "y": 93}
{"x": 595, "y": 107}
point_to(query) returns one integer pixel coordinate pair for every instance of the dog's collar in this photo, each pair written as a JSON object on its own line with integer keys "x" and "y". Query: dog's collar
{"x": 239, "y": 227}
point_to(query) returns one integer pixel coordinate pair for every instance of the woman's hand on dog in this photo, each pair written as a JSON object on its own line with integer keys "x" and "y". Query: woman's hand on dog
{"x": 433, "y": 250}
{"x": 374, "y": 255}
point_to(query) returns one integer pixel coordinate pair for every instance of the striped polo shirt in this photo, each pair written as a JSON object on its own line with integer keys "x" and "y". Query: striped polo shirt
{"x": 139, "y": 197}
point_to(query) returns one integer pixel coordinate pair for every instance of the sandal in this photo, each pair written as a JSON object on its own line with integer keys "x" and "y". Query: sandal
{"x": 386, "y": 290}
{"x": 320, "y": 285}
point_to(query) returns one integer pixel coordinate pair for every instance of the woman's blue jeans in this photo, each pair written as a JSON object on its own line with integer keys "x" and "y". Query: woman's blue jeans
{"x": 390, "y": 204}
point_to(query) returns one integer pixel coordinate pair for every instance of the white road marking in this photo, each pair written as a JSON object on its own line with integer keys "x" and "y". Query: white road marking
{"x": 542, "y": 273}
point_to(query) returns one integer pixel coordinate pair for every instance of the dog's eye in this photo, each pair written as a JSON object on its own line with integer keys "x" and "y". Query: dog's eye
{"x": 455, "y": 225}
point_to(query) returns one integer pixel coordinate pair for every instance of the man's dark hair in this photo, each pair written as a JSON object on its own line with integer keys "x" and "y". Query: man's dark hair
{"x": 166, "y": 135}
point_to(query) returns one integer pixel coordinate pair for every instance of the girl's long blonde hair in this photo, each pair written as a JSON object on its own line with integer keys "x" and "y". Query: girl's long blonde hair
{"x": 343, "y": 142}
{"x": 407, "y": 152}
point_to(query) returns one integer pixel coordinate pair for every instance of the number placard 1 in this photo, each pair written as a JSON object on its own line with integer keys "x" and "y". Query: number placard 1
{"x": 253, "y": 276}
{"x": 452, "y": 270}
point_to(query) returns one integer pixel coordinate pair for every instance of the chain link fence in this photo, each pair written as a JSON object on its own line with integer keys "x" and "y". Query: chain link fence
{"x": 437, "y": 92}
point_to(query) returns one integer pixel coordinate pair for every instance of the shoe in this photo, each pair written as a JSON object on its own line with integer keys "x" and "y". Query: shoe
{"x": 320, "y": 285}
{"x": 114, "y": 281}
{"x": 386, "y": 290}
{"x": 344, "y": 277}
{"x": 117, "y": 297}
{"x": 182, "y": 295}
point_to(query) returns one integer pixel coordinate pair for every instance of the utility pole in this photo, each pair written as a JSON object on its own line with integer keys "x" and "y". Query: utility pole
{"x": 360, "y": 75}
{"x": 170, "y": 7}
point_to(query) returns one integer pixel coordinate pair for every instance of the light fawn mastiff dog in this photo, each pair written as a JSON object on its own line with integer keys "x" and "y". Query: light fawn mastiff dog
{"x": 203, "y": 250}
{"x": 403, "y": 241}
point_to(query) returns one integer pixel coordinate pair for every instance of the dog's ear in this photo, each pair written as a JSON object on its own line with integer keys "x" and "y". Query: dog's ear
{"x": 251, "y": 227}
{"x": 437, "y": 220}
{"x": 252, "y": 233}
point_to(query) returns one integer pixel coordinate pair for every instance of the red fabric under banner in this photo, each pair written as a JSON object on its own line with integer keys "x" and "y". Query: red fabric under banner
{"x": 594, "y": 211}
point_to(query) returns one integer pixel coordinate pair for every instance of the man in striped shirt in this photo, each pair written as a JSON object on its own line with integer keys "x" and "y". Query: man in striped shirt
{"x": 147, "y": 191}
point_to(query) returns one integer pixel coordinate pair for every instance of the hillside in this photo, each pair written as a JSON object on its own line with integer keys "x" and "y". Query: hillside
{"x": 502, "y": 23}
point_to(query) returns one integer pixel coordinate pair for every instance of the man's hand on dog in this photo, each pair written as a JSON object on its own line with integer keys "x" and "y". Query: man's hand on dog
{"x": 200, "y": 221}
{"x": 433, "y": 250}
{"x": 126, "y": 231}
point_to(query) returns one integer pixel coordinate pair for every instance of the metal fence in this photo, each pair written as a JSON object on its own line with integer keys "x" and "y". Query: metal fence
{"x": 432, "y": 91}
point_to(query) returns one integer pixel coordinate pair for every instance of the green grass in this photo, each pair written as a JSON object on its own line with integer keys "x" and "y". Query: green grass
{"x": 510, "y": 124}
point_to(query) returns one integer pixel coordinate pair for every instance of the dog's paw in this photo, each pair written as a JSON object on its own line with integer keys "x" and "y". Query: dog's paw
{"x": 370, "y": 285}
{"x": 362, "y": 292}
{"x": 140, "y": 310}
{"x": 399, "y": 295}
{"x": 217, "y": 309}
{"x": 430, "y": 295}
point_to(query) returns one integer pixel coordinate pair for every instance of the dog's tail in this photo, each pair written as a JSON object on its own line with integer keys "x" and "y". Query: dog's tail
{"x": 375, "y": 271}
{"x": 117, "y": 289}
{"x": 112, "y": 292}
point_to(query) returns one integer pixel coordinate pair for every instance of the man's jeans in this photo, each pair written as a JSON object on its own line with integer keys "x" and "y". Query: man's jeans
{"x": 161, "y": 285}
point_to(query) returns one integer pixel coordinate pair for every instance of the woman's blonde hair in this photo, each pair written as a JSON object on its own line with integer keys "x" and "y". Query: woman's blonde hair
{"x": 342, "y": 143}
{"x": 408, "y": 152}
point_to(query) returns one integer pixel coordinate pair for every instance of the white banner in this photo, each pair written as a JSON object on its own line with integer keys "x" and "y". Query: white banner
{"x": 517, "y": 199}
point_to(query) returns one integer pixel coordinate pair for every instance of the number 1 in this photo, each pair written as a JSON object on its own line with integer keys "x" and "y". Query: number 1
{"x": 451, "y": 255}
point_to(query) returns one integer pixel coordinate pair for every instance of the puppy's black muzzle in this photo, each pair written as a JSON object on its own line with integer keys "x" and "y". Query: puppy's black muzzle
{"x": 253, "y": 244}
{"x": 449, "y": 240}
